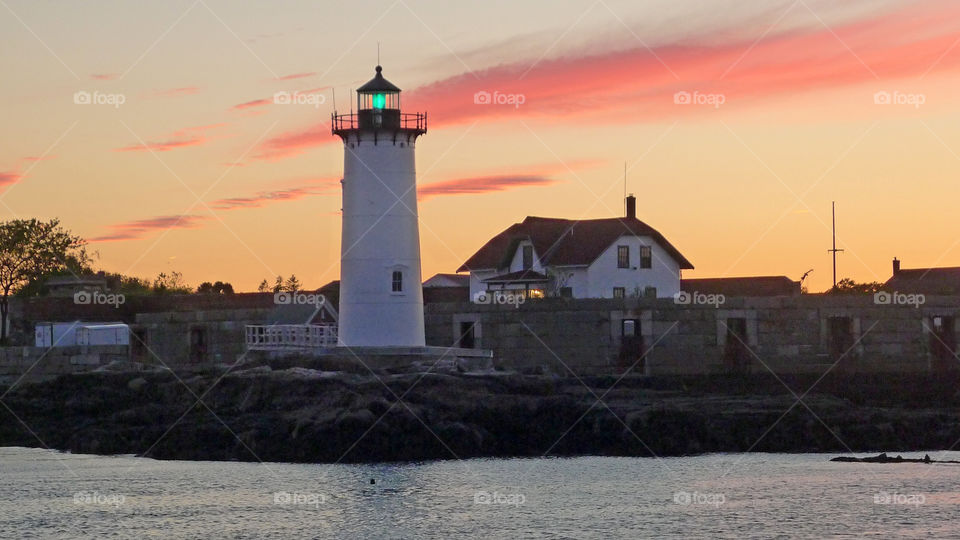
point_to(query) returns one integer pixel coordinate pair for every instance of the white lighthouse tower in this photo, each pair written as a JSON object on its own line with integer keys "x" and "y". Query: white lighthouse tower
{"x": 381, "y": 297}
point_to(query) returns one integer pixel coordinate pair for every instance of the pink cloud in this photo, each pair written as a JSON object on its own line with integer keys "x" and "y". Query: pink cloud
{"x": 137, "y": 229}
{"x": 318, "y": 186}
{"x": 622, "y": 86}
{"x": 270, "y": 100}
{"x": 132, "y": 230}
{"x": 481, "y": 184}
{"x": 294, "y": 142}
{"x": 7, "y": 178}
{"x": 630, "y": 85}
{"x": 253, "y": 103}
{"x": 35, "y": 159}
{"x": 295, "y": 76}
{"x": 104, "y": 76}
{"x": 190, "y": 136}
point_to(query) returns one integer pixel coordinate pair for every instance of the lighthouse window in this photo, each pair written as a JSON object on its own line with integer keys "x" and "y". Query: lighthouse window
{"x": 379, "y": 101}
{"x": 397, "y": 284}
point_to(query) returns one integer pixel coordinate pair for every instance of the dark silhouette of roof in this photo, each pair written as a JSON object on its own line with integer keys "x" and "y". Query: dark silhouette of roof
{"x": 460, "y": 280}
{"x": 925, "y": 281}
{"x": 743, "y": 286}
{"x": 521, "y": 276}
{"x": 378, "y": 84}
{"x": 564, "y": 242}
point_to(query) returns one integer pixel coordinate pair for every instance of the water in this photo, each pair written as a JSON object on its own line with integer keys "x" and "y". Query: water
{"x": 45, "y": 494}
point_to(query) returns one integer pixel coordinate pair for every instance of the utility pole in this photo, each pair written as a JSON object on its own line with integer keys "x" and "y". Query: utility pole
{"x": 834, "y": 250}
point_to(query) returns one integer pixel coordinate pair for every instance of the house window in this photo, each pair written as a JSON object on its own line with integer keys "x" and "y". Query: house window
{"x": 623, "y": 256}
{"x": 649, "y": 292}
{"x": 527, "y": 257}
{"x": 646, "y": 257}
{"x": 566, "y": 292}
{"x": 397, "y": 281}
{"x": 619, "y": 292}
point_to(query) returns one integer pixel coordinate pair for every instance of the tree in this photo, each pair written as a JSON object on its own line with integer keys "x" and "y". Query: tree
{"x": 278, "y": 284}
{"x": 170, "y": 283}
{"x": 264, "y": 286}
{"x": 205, "y": 288}
{"x": 215, "y": 288}
{"x": 31, "y": 249}
{"x": 849, "y": 286}
{"x": 292, "y": 284}
{"x": 222, "y": 288}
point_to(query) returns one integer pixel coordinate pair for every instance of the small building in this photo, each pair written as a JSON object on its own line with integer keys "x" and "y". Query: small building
{"x": 446, "y": 288}
{"x": 591, "y": 258}
{"x": 65, "y": 286}
{"x": 932, "y": 281}
{"x": 742, "y": 286}
{"x": 68, "y": 334}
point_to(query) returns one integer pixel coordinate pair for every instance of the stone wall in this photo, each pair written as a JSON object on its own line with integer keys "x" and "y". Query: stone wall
{"x": 193, "y": 338}
{"x": 801, "y": 334}
{"x": 30, "y": 364}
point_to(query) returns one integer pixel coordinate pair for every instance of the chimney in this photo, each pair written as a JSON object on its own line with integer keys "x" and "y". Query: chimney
{"x": 631, "y": 207}
{"x": 896, "y": 266}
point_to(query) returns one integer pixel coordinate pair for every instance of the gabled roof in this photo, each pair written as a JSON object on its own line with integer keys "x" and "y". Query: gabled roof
{"x": 926, "y": 281}
{"x": 743, "y": 286}
{"x": 565, "y": 242}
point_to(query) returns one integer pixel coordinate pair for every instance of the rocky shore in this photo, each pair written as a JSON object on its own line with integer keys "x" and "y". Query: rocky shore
{"x": 304, "y": 415}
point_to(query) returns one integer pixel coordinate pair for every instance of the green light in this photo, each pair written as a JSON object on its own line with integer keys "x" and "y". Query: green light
{"x": 379, "y": 101}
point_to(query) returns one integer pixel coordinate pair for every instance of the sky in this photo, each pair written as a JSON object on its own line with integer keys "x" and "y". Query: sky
{"x": 154, "y": 130}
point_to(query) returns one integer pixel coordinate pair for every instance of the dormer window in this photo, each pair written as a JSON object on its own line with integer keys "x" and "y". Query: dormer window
{"x": 527, "y": 257}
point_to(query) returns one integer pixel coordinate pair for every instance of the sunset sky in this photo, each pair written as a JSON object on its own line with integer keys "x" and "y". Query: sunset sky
{"x": 187, "y": 162}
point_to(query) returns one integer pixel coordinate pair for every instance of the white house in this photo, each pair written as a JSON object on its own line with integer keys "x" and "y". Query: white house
{"x": 591, "y": 258}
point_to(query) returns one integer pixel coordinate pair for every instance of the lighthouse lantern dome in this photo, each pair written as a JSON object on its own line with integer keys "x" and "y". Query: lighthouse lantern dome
{"x": 378, "y": 94}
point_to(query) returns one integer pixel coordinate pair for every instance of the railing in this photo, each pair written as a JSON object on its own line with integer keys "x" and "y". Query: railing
{"x": 365, "y": 119}
{"x": 288, "y": 337}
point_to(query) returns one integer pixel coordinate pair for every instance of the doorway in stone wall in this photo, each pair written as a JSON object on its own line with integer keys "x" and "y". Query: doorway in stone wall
{"x": 840, "y": 338}
{"x": 736, "y": 354}
{"x": 943, "y": 344}
{"x": 631, "y": 347}
{"x": 468, "y": 337}
{"x": 198, "y": 345}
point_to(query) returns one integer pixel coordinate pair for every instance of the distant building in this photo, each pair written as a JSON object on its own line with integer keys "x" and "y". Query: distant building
{"x": 743, "y": 286}
{"x": 446, "y": 288}
{"x": 64, "y": 286}
{"x": 590, "y": 258}
{"x": 932, "y": 281}
{"x": 447, "y": 280}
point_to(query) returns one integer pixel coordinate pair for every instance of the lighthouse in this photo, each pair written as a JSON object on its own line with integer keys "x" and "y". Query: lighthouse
{"x": 381, "y": 297}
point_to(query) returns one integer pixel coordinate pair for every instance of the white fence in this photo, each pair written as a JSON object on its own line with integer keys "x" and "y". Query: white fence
{"x": 287, "y": 337}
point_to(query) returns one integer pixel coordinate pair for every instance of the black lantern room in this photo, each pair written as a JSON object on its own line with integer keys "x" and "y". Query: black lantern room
{"x": 378, "y": 109}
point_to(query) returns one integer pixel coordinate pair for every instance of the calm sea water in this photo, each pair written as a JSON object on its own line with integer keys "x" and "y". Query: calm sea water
{"x": 46, "y": 494}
